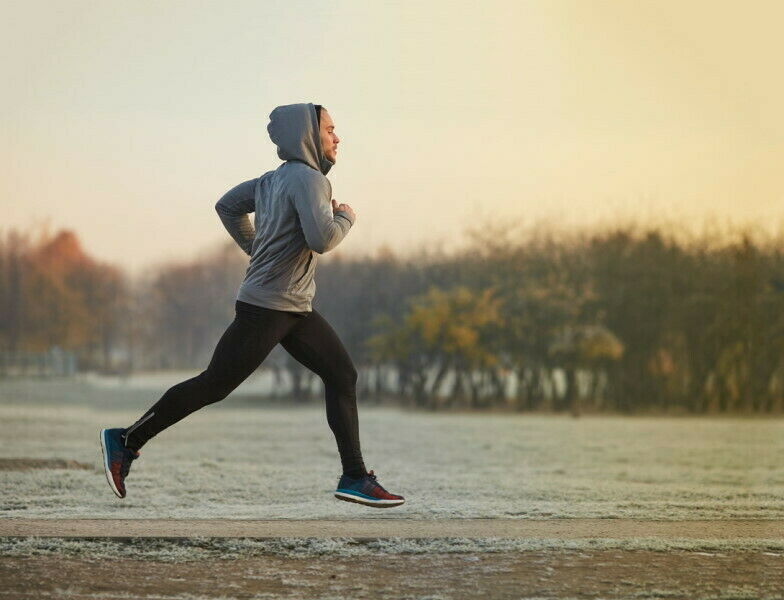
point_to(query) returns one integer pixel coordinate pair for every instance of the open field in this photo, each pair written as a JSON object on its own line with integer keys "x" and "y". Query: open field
{"x": 234, "y": 460}
{"x": 501, "y": 506}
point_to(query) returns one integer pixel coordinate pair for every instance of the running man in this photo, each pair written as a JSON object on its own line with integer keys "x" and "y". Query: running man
{"x": 296, "y": 219}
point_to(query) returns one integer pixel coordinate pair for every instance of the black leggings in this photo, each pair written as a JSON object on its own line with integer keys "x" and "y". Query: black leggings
{"x": 247, "y": 341}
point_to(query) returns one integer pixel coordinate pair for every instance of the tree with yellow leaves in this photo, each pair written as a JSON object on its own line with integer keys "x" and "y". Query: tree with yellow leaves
{"x": 442, "y": 330}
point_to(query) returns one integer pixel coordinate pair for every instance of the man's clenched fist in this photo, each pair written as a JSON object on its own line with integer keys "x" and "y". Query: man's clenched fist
{"x": 343, "y": 207}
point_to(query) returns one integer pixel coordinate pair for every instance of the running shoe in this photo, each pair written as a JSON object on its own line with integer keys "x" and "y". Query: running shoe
{"x": 366, "y": 490}
{"x": 117, "y": 459}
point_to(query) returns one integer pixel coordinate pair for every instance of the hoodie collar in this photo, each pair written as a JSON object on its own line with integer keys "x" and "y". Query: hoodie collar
{"x": 294, "y": 129}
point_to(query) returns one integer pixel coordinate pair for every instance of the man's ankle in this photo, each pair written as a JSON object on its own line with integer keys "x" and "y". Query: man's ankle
{"x": 354, "y": 474}
{"x": 129, "y": 444}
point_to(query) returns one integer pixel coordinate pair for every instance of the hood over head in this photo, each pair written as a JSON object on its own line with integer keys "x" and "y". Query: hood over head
{"x": 294, "y": 129}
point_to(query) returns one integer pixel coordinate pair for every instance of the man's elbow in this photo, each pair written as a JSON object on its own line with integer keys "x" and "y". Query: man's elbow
{"x": 318, "y": 247}
{"x": 322, "y": 244}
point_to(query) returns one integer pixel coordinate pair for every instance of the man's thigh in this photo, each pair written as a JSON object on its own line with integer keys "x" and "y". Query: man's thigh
{"x": 245, "y": 344}
{"x": 316, "y": 345}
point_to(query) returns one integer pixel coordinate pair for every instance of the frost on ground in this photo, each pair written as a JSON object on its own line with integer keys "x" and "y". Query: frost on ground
{"x": 242, "y": 459}
{"x": 198, "y": 549}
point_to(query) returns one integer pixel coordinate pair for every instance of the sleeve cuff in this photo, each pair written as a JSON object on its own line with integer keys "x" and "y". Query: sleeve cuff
{"x": 343, "y": 214}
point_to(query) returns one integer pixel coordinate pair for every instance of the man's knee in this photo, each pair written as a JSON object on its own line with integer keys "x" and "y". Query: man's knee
{"x": 219, "y": 387}
{"x": 345, "y": 377}
{"x": 351, "y": 372}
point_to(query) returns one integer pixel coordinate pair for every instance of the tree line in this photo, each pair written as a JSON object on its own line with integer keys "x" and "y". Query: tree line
{"x": 626, "y": 319}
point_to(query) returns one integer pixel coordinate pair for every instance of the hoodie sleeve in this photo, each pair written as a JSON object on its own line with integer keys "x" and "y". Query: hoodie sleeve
{"x": 313, "y": 203}
{"x": 233, "y": 209}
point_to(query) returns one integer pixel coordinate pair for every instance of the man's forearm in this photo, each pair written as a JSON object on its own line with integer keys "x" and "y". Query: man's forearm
{"x": 241, "y": 229}
{"x": 233, "y": 209}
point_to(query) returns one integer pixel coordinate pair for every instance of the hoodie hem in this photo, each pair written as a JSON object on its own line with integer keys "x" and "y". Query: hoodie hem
{"x": 276, "y": 300}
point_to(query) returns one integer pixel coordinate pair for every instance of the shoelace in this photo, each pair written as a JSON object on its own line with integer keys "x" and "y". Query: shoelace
{"x": 375, "y": 481}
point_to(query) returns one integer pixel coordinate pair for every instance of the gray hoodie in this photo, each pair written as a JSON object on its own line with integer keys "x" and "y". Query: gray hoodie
{"x": 294, "y": 222}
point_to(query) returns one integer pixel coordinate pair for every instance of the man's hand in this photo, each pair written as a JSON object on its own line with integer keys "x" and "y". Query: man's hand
{"x": 343, "y": 207}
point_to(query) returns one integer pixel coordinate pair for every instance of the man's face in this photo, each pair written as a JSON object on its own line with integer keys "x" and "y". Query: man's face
{"x": 329, "y": 141}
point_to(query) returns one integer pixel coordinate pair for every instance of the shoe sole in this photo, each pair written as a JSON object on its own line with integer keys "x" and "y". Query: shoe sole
{"x": 366, "y": 502}
{"x": 106, "y": 467}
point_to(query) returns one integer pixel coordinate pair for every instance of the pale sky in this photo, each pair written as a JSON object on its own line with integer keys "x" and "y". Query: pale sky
{"x": 126, "y": 121}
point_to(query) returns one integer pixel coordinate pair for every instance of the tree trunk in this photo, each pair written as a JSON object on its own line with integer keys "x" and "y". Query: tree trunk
{"x": 439, "y": 378}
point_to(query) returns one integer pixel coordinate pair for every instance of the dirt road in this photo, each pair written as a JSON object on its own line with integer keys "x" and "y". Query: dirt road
{"x": 171, "y": 559}
{"x": 606, "y": 574}
{"x": 394, "y": 527}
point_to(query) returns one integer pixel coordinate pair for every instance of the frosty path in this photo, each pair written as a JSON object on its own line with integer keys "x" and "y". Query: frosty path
{"x": 390, "y": 527}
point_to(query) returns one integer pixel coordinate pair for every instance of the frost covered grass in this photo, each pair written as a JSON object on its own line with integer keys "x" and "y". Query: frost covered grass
{"x": 240, "y": 460}
{"x": 196, "y": 548}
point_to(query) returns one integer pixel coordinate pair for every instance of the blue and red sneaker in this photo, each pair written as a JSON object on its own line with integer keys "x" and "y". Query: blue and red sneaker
{"x": 366, "y": 490}
{"x": 117, "y": 459}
